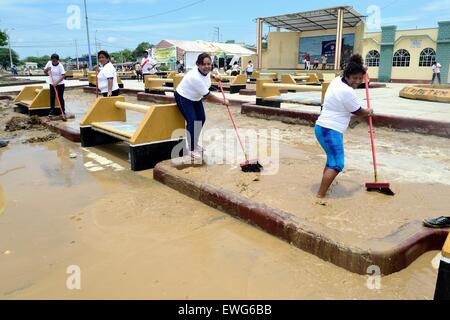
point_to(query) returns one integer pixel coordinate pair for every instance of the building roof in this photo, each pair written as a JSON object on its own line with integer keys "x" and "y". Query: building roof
{"x": 321, "y": 19}
{"x": 211, "y": 47}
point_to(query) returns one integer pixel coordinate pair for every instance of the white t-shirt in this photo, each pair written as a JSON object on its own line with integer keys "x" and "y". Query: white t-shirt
{"x": 57, "y": 71}
{"x": 250, "y": 67}
{"x": 437, "y": 68}
{"x": 148, "y": 65}
{"x": 340, "y": 102}
{"x": 107, "y": 72}
{"x": 194, "y": 86}
{"x": 235, "y": 67}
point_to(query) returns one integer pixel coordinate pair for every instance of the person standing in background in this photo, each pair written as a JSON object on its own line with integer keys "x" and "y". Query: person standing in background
{"x": 249, "y": 69}
{"x": 148, "y": 65}
{"x": 324, "y": 61}
{"x": 138, "y": 70}
{"x": 307, "y": 62}
{"x": 316, "y": 63}
{"x": 436, "y": 72}
{"x": 107, "y": 76}
{"x": 56, "y": 75}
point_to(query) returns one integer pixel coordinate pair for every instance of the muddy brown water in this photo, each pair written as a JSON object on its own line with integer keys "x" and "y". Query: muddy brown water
{"x": 135, "y": 238}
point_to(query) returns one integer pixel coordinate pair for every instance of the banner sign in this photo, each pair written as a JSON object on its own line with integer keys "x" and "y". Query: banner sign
{"x": 167, "y": 55}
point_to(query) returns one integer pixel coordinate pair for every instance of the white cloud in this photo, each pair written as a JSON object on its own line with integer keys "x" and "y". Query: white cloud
{"x": 111, "y": 39}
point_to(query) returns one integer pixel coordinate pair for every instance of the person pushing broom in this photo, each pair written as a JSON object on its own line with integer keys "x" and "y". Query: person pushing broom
{"x": 339, "y": 105}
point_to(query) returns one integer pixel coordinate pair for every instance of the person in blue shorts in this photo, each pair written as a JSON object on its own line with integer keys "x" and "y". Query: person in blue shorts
{"x": 339, "y": 104}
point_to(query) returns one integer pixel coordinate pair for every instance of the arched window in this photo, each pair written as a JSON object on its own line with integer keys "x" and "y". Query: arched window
{"x": 427, "y": 57}
{"x": 401, "y": 58}
{"x": 373, "y": 58}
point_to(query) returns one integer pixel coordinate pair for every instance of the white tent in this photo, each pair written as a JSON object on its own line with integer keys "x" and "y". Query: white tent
{"x": 192, "y": 49}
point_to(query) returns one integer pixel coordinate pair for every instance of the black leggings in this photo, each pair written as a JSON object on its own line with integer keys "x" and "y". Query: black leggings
{"x": 60, "y": 89}
{"x": 436, "y": 75}
{"x": 114, "y": 93}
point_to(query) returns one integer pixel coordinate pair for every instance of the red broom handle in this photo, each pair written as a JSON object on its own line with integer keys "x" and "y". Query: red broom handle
{"x": 232, "y": 120}
{"x": 96, "y": 82}
{"x": 372, "y": 139}
{"x": 57, "y": 95}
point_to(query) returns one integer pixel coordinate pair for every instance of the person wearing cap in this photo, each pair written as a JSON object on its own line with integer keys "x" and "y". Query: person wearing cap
{"x": 56, "y": 75}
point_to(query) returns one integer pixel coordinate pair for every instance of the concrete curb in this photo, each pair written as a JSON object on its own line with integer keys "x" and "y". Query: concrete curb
{"x": 88, "y": 89}
{"x": 23, "y": 83}
{"x": 392, "y": 253}
{"x": 431, "y": 127}
{"x": 69, "y": 133}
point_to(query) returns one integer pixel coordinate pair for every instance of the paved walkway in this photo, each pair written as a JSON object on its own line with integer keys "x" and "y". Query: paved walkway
{"x": 384, "y": 100}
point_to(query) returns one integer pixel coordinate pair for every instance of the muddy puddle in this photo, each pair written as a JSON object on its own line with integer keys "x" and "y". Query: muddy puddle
{"x": 133, "y": 238}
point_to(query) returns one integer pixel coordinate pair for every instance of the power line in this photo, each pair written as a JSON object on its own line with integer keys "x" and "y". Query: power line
{"x": 153, "y": 15}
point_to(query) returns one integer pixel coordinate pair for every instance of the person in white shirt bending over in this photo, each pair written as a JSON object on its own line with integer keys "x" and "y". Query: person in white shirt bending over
{"x": 436, "y": 72}
{"x": 339, "y": 105}
{"x": 189, "y": 95}
{"x": 107, "y": 76}
{"x": 148, "y": 65}
{"x": 56, "y": 74}
{"x": 235, "y": 70}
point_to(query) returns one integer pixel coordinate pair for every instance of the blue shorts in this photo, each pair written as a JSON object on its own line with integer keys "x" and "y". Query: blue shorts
{"x": 332, "y": 142}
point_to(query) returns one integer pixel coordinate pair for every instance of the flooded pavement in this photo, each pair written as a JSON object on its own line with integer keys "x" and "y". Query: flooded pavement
{"x": 134, "y": 238}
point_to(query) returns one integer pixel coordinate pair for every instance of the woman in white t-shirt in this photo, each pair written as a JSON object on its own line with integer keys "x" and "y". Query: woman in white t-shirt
{"x": 107, "y": 76}
{"x": 249, "y": 69}
{"x": 189, "y": 95}
{"x": 56, "y": 75}
{"x": 436, "y": 72}
{"x": 339, "y": 105}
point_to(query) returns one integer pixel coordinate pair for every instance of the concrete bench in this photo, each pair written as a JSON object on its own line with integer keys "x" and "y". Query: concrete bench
{"x": 92, "y": 80}
{"x": 156, "y": 85}
{"x": 154, "y": 139}
{"x": 232, "y": 83}
{"x": 35, "y": 100}
{"x": 311, "y": 79}
{"x": 268, "y": 93}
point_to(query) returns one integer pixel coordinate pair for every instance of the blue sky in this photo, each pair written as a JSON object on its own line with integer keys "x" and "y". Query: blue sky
{"x": 41, "y": 27}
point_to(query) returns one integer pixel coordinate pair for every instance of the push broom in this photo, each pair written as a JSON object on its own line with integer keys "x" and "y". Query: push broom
{"x": 248, "y": 165}
{"x": 57, "y": 97}
{"x": 382, "y": 187}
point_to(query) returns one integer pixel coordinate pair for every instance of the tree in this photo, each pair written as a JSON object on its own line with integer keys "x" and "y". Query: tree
{"x": 4, "y": 57}
{"x": 138, "y": 52}
{"x": 41, "y": 61}
{"x": 123, "y": 56}
{"x": 3, "y": 38}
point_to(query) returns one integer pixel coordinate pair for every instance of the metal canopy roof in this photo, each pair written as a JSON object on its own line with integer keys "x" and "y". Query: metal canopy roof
{"x": 321, "y": 19}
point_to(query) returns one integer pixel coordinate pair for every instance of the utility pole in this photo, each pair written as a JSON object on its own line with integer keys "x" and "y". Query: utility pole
{"x": 10, "y": 54}
{"x": 8, "y": 32}
{"x": 96, "y": 43}
{"x": 76, "y": 53}
{"x": 87, "y": 31}
{"x": 217, "y": 30}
